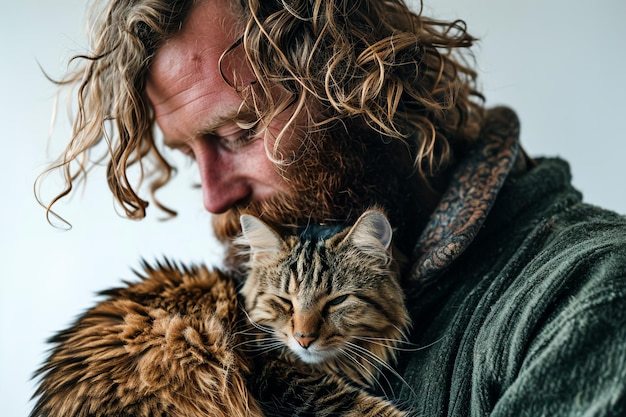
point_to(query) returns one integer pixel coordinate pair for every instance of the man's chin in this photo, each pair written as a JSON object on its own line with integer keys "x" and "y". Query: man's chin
{"x": 281, "y": 212}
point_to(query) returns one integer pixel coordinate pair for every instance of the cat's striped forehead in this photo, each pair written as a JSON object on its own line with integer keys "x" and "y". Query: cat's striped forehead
{"x": 310, "y": 264}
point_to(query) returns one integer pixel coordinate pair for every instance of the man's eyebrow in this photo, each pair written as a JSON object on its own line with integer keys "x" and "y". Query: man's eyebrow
{"x": 244, "y": 118}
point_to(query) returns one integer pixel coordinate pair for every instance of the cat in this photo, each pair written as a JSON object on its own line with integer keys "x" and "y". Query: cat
{"x": 330, "y": 301}
{"x": 179, "y": 343}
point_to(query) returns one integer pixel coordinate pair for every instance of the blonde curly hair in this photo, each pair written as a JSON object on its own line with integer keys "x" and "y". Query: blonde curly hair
{"x": 404, "y": 76}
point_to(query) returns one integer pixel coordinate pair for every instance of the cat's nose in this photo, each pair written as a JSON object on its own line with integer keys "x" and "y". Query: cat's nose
{"x": 305, "y": 340}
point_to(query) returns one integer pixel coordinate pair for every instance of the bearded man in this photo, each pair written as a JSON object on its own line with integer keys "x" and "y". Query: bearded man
{"x": 311, "y": 112}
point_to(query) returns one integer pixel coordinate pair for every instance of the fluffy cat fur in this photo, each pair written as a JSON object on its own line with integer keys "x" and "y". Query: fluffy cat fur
{"x": 323, "y": 314}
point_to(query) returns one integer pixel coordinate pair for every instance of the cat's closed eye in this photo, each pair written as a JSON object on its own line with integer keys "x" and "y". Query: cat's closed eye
{"x": 337, "y": 300}
{"x": 284, "y": 303}
{"x": 279, "y": 306}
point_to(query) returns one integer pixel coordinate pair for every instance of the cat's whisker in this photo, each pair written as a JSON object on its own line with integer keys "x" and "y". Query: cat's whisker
{"x": 261, "y": 327}
{"x": 384, "y": 364}
{"x": 379, "y": 340}
{"x": 431, "y": 344}
{"x": 247, "y": 342}
{"x": 250, "y": 335}
{"x": 251, "y": 331}
{"x": 355, "y": 358}
{"x": 260, "y": 339}
{"x": 262, "y": 346}
{"x": 402, "y": 332}
{"x": 374, "y": 361}
{"x": 251, "y": 339}
{"x": 357, "y": 348}
{"x": 266, "y": 349}
{"x": 393, "y": 344}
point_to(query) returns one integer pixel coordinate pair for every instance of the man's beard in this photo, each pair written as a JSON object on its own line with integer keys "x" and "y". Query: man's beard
{"x": 333, "y": 182}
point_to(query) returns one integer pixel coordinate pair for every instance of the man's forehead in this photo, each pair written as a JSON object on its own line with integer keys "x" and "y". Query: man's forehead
{"x": 185, "y": 83}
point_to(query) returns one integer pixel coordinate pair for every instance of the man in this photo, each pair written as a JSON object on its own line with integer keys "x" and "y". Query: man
{"x": 313, "y": 111}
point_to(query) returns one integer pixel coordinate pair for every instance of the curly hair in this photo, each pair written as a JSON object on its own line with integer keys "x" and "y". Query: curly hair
{"x": 403, "y": 75}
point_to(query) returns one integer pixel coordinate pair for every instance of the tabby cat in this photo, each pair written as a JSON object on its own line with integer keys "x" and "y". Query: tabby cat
{"x": 324, "y": 312}
{"x": 330, "y": 301}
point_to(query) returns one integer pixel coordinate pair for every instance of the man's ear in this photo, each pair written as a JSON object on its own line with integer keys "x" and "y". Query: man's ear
{"x": 262, "y": 239}
{"x": 372, "y": 234}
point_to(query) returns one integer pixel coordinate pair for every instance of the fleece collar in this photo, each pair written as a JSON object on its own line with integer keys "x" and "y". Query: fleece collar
{"x": 471, "y": 194}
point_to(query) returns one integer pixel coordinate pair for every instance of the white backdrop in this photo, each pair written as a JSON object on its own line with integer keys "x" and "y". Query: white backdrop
{"x": 559, "y": 63}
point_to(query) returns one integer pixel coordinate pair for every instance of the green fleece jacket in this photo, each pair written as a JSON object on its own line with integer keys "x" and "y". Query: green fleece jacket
{"x": 530, "y": 318}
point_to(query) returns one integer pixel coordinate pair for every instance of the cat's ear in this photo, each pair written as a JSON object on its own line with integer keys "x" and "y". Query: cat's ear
{"x": 261, "y": 238}
{"x": 371, "y": 233}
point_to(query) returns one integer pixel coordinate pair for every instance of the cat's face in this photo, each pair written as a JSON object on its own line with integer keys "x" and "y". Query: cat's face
{"x": 326, "y": 298}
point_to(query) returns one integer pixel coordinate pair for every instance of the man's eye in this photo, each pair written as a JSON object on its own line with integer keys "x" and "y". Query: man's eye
{"x": 233, "y": 142}
{"x": 246, "y": 137}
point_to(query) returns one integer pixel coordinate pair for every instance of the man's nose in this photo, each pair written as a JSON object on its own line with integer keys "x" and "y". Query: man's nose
{"x": 222, "y": 185}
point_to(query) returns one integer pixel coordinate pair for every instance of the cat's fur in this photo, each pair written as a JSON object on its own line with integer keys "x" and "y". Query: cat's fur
{"x": 178, "y": 343}
{"x": 162, "y": 346}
